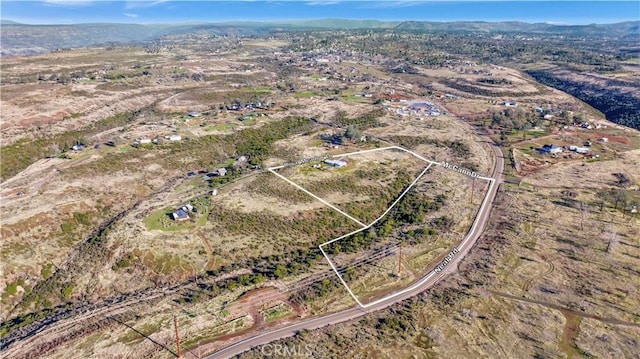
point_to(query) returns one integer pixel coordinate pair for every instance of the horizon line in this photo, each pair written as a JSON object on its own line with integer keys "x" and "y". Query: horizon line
{"x": 312, "y": 19}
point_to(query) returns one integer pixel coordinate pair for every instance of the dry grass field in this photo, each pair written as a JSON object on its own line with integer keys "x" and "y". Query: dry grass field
{"x": 380, "y": 268}
{"x": 365, "y": 186}
{"x": 548, "y": 279}
{"x": 87, "y": 241}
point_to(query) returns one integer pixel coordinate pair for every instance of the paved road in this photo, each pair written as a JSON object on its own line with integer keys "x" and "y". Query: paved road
{"x": 419, "y": 286}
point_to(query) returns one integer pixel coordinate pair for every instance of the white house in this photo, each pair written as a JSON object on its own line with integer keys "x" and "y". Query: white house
{"x": 552, "y": 149}
{"x": 174, "y": 138}
{"x": 336, "y": 163}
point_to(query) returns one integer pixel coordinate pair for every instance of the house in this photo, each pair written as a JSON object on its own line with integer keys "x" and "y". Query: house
{"x": 77, "y": 147}
{"x": 142, "y": 141}
{"x": 179, "y": 215}
{"x": 420, "y": 106}
{"x": 510, "y": 104}
{"x": 193, "y": 114}
{"x": 604, "y": 139}
{"x": 240, "y": 162}
{"x": 262, "y": 106}
{"x": 551, "y": 149}
{"x": 336, "y": 163}
{"x": 221, "y": 172}
{"x": 234, "y": 106}
{"x": 334, "y": 139}
{"x": 174, "y": 138}
{"x": 576, "y": 149}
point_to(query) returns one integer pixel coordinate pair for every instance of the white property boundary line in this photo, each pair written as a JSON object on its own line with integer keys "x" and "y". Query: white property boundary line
{"x": 316, "y": 197}
{"x": 433, "y": 271}
{"x": 365, "y": 227}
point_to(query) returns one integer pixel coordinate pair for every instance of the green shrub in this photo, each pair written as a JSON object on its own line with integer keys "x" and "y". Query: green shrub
{"x": 67, "y": 290}
{"x": 123, "y": 262}
{"x": 12, "y": 288}
{"x": 82, "y": 218}
{"x": 66, "y": 227}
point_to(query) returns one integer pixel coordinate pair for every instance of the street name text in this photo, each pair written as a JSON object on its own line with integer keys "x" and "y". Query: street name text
{"x": 446, "y": 260}
{"x": 464, "y": 171}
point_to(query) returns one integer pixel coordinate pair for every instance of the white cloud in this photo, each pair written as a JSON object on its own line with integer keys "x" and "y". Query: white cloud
{"x": 136, "y": 4}
{"x": 128, "y": 14}
{"x": 322, "y": 3}
{"x": 67, "y": 2}
{"x": 406, "y": 3}
{"x": 395, "y": 4}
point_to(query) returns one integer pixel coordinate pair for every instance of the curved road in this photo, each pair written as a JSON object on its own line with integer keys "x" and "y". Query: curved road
{"x": 416, "y": 288}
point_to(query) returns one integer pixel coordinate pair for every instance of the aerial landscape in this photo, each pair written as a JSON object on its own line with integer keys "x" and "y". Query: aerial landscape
{"x": 319, "y": 179}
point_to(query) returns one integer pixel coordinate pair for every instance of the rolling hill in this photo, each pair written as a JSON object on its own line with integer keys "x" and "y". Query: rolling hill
{"x": 24, "y": 39}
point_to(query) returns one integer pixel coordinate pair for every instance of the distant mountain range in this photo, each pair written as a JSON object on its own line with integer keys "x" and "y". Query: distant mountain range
{"x": 622, "y": 29}
{"x": 22, "y": 39}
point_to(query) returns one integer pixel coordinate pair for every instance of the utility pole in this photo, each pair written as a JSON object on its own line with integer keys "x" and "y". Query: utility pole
{"x": 473, "y": 187}
{"x": 175, "y": 325}
{"x": 400, "y": 261}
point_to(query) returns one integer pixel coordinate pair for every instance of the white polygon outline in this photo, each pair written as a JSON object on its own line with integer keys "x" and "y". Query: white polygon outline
{"x": 365, "y": 227}
{"x": 316, "y": 197}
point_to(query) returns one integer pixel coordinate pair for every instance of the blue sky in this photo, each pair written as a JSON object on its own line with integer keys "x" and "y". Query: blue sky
{"x": 162, "y": 11}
